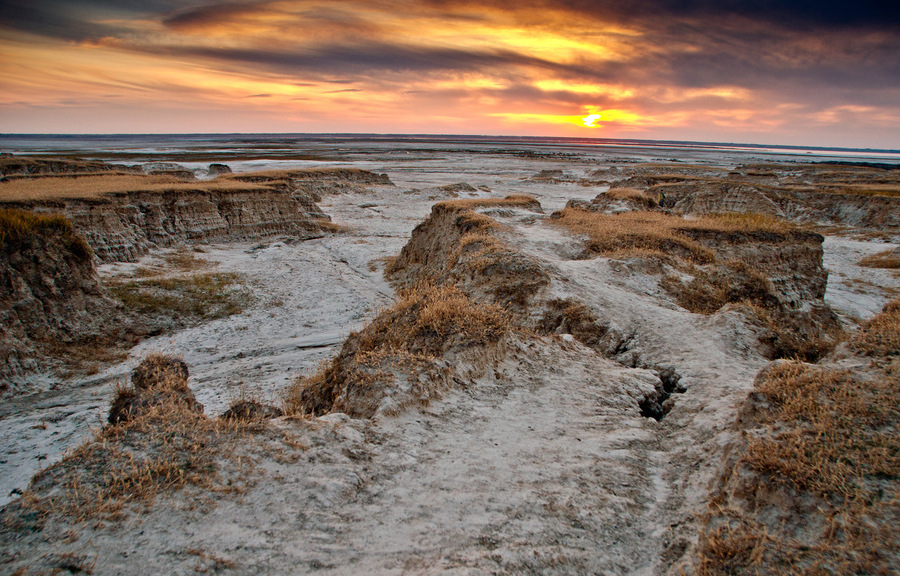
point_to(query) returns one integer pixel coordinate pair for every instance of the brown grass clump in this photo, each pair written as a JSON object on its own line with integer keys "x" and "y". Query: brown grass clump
{"x": 573, "y": 317}
{"x": 158, "y": 380}
{"x": 889, "y": 259}
{"x": 826, "y": 467}
{"x": 880, "y": 336}
{"x": 813, "y": 488}
{"x": 162, "y": 441}
{"x": 93, "y": 187}
{"x": 709, "y": 290}
{"x": 634, "y": 234}
{"x": 639, "y": 197}
{"x": 201, "y": 296}
{"x": 513, "y": 201}
{"x": 842, "y": 430}
{"x": 18, "y": 228}
{"x": 427, "y": 321}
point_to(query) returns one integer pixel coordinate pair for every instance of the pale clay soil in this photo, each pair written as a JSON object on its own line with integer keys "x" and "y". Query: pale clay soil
{"x": 541, "y": 463}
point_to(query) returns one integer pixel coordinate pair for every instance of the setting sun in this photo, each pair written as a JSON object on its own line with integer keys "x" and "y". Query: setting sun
{"x": 590, "y": 120}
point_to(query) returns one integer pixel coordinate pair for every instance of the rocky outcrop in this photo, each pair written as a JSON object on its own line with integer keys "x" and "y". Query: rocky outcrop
{"x": 158, "y": 380}
{"x": 792, "y": 261}
{"x": 862, "y": 196}
{"x": 459, "y": 244}
{"x": 50, "y": 292}
{"x": 123, "y": 227}
{"x": 25, "y": 166}
{"x": 218, "y": 169}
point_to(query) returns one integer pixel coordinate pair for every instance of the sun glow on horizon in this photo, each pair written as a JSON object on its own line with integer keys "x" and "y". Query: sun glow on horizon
{"x": 591, "y": 120}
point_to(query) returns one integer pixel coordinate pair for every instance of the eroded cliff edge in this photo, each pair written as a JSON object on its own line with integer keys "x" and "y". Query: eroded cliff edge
{"x": 62, "y": 218}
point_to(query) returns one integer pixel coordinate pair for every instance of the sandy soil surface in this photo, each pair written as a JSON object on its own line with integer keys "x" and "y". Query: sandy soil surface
{"x": 540, "y": 464}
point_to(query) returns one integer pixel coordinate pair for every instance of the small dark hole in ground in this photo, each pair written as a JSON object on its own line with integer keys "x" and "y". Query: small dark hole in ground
{"x": 658, "y": 403}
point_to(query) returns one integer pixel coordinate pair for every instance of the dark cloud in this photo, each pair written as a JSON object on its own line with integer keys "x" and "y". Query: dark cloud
{"x": 829, "y": 47}
{"x": 210, "y": 14}
{"x": 365, "y": 59}
{"x": 879, "y": 14}
{"x": 48, "y": 19}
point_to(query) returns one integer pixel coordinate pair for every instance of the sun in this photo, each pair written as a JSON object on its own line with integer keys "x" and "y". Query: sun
{"x": 590, "y": 120}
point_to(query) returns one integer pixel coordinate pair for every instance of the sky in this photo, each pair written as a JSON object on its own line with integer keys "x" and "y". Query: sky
{"x": 804, "y": 72}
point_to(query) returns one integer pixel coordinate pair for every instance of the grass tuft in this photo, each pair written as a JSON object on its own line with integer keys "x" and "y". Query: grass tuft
{"x": 888, "y": 259}
{"x": 880, "y": 336}
{"x": 202, "y": 296}
{"x": 813, "y": 486}
{"x": 18, "y": 228}
{"x": 425, "y": 322}
{"x": 634, "y": 234}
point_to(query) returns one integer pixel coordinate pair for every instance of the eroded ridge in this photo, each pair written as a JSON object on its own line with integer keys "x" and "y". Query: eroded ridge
{"x": 532, "y": 402}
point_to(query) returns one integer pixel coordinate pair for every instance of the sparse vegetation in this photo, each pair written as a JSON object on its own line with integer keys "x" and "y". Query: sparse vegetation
{"x": 166, "y": 444}
{"x": 425, "y": 322}
{"x": 639, "y": 197}
{"x": 92, "y": 187}
{"x": 200, "y": 296}
{"x": 709, "y": 290}
{"x": 158, "y": 440}
{"x": 889, "y": 259}
{"x": 18, "y": 228}
{"x": 813, "y": 488}
{"x": 880, "y": 336}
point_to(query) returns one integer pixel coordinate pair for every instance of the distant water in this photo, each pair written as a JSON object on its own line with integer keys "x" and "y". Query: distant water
{"x": 244, "y": 152}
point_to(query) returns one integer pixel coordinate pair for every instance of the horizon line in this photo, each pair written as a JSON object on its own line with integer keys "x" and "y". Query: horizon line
{"x": 445, "y": 136}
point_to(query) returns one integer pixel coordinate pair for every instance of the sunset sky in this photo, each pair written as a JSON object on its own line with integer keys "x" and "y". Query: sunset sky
{"x": 759, "y": 71}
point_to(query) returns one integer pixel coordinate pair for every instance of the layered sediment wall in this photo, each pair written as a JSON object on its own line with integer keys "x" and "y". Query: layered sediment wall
{"x": 123, "y": 227}
{"x": 50, "y": 291}
{"x": 792, "y": 261}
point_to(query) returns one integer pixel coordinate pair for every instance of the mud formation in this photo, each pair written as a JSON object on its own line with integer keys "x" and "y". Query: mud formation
{"x": 859, "y": 196}
{"x": 51, "y": 295}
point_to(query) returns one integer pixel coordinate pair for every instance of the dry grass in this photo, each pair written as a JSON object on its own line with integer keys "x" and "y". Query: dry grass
{"x": 633, "y": 195}
{"x": 880, "y": 336}
{"x": 711, "y": 289}
{"x": 514, "y": 201}
{"x": 354, "y": 174}
{"x": 572, "y": 317}
{"x": 96, "y": 186}
{"x": 814, "y": 489}
{"x": 841, "y": 430}
{"x": 634, "y": 234}
{"x": 425, "y": 322}
{"x": 889, "y": 259}
{"x": 18, "y": 228}
{"x": 166, "y": 445}
{"x": 201, "y": 296}
{"x": 655, "y": 234}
